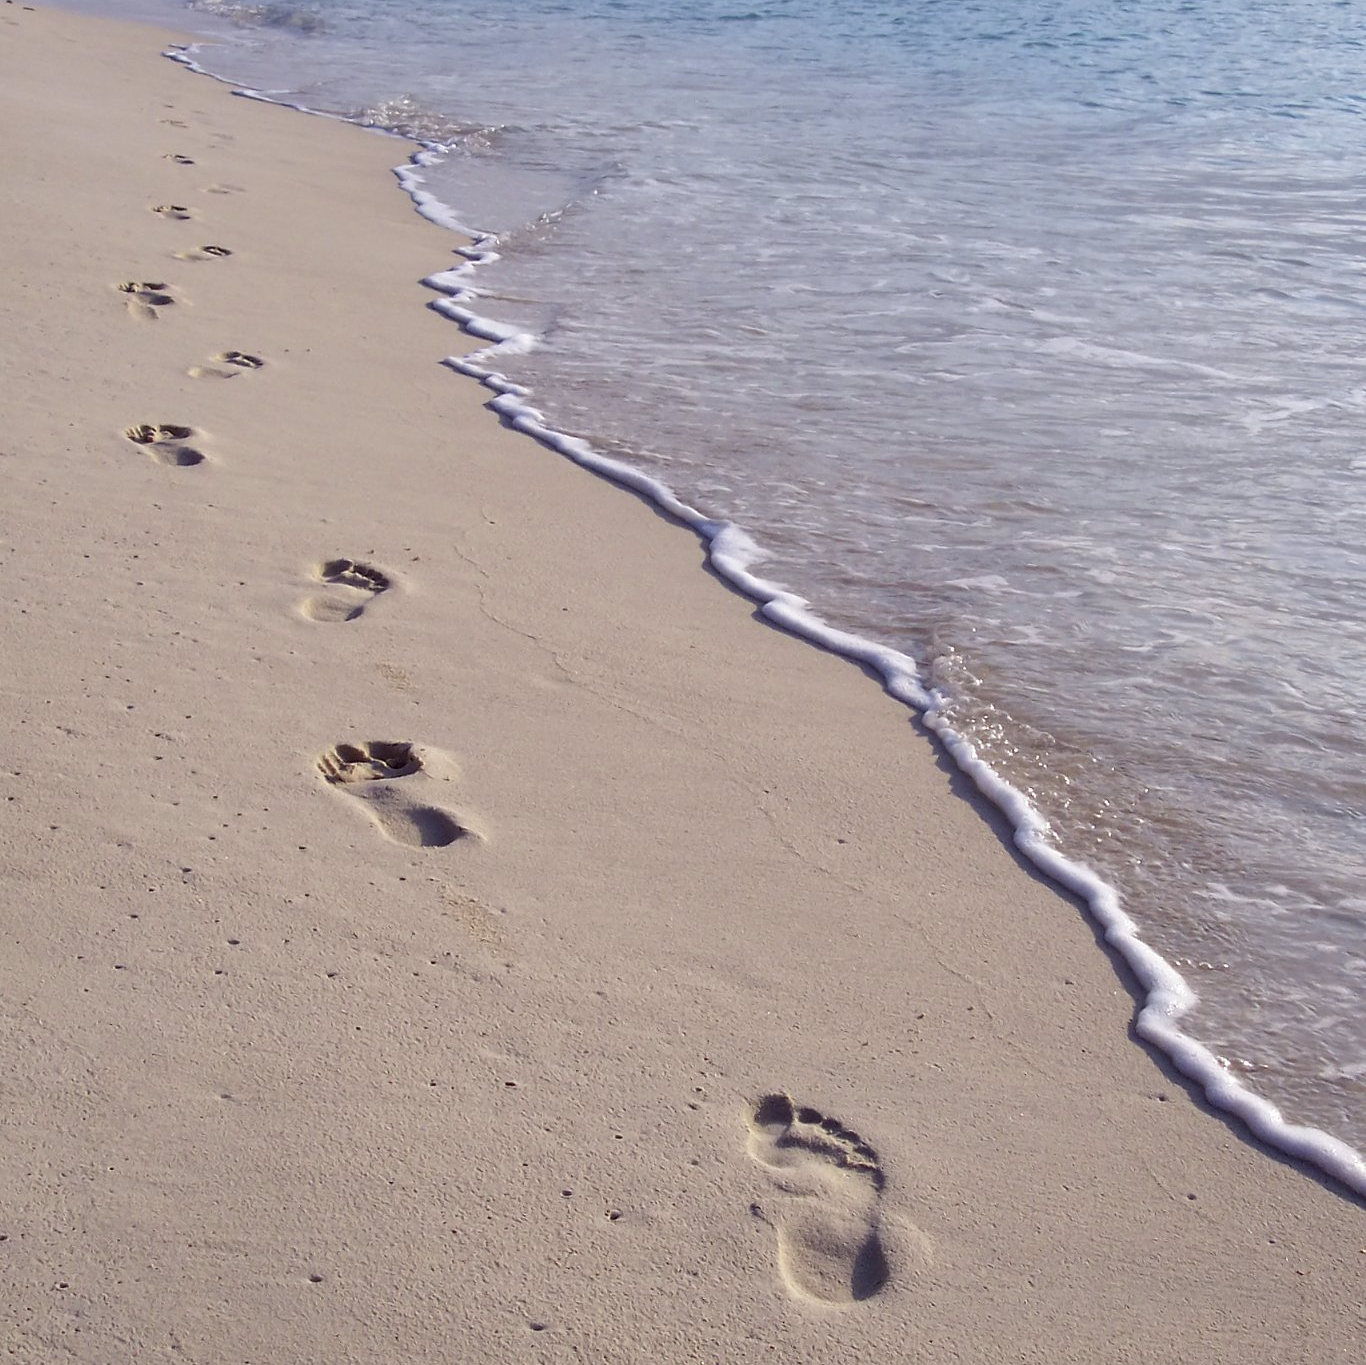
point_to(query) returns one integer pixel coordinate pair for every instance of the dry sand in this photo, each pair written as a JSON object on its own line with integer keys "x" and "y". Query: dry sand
{"x": 281, "y": 1083}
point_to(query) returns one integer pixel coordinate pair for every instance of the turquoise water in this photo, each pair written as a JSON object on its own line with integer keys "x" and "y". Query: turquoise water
{"x": 1028, "y": 338}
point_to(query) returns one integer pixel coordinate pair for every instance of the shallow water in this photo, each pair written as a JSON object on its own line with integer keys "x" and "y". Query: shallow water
{"x": 1027, "y": 338}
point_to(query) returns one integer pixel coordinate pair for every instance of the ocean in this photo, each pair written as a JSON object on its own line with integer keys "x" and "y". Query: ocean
{"x": 1026, "y": 341}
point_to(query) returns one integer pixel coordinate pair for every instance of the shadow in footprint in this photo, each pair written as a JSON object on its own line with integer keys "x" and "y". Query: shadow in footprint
{"x": 145, "y": 297}
{"x": 228, "y": 365}
{"x": 368, "y": 771}
{"x": 827, "y": 1212}
{"x": 165, "y": 443}
{"x": 203, "y": 253}
{"x": 176, "y": 212}
{"x": 178, "y": 159}
{"x": 351, "y": 586}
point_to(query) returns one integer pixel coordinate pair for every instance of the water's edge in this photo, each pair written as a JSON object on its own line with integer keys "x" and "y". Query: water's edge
{"x": 732, "y": 554}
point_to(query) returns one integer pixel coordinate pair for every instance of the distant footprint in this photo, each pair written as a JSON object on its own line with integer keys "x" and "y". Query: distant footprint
{"x": 352, "y": 586}
{"x": 228, "y": 365}
{"x": 177, "y": 212}
{"x": 203, "y": 253}
{"x": 165, "y": 443}
{"x": 223, "y": 189}
{"x": 827, "y": 1219}
{"x": 178, "y": 159}
{"x": 145, "y": 297}
{"x": 368, "y": 772}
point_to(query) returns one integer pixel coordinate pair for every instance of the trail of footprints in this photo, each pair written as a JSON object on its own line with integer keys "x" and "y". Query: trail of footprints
{"x": 827, "y": 1181}
{"x": 385, "y": 778}
{"x": 367, "y": 771}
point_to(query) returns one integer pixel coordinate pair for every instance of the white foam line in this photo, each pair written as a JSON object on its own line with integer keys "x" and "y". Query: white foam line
{"x": 732, "y": 553}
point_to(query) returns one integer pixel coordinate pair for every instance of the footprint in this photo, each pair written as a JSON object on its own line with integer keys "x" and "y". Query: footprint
{"x": 237, "y": 362}
{"x": 367, "y": 772}
{"x": 827, "y": 1221}
{"x": 223, "y": 189}
{"x": 145, "y": 297}
{"x": 164, "y": 443}
{"x": 203, "y": 253}
{"x": 353, "y": 585}
{"x": 178, "y": 212}
{"x": 178, "y": 159}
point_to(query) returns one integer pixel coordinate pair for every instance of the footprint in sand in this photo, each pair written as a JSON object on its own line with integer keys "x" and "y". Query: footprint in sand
{"x": 369, "y": 771}
{"x": 176, "y": 212}
{"x": 145, "y": 297}
{"x": 227, "y": 365}
{"x": 351, "y": 586}
{"x": 178, "y": 159}
{"x": 827, "y": 1217}
{"x": 203, "y": 253}
{"x": 165, "y": 443}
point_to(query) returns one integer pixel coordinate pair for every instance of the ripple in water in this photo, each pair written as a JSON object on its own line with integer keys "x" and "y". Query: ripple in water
{"x": 262, "y": 16}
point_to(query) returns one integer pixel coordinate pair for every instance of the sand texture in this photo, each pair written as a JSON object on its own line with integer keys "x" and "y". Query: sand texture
{"x": 441, "y": 924}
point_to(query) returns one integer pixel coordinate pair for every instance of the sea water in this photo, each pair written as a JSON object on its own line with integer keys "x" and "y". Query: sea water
{"x": 1025, "y": 337}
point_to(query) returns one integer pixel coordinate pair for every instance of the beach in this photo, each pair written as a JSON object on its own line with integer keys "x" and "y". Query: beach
{"x": 444, "y": 922}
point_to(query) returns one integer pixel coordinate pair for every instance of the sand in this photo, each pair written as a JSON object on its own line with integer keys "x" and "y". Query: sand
{"x": 442, "y": 923}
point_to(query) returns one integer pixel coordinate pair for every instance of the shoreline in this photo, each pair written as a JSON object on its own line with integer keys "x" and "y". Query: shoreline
{"x": 1166, "y": 996}
{"x": 619, "y": 942}
{"x": 1163, "y": 996}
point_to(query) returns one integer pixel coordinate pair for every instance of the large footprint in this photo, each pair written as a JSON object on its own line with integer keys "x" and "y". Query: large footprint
{"x": 368, "y": 771}
{"x": 229, "y": 364}
{"x": 351, "y": 586}
{"x": 166, "y": 443}
{"x": 827, "y": 1217}
{"x": 145, "y": 297}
